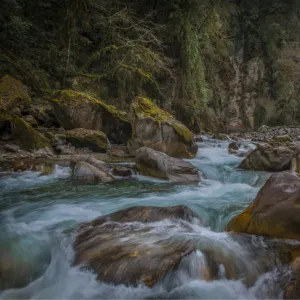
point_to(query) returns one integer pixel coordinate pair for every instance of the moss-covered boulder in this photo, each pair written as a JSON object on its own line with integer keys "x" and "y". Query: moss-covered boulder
{"x": 80, "y": 110}
{"x": 84, "y": 138}
{"x": 275, "y": 211}
{"x": 155, "y": 128}
{"x": 13, "y": 94}
{"x": 23, "y": 134}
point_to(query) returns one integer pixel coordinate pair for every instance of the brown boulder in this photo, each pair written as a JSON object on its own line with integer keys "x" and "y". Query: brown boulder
{"x": 80, "y": 110}
{"x": 157, "y": 164}
{"x": 84, "y": 138}
{"x": 275, "y": 212}
{"x": 268, "y": 158}
{"x": 157, "y": 129}
{"x": 86, "y": 172}
{"x": 120, "y": 252}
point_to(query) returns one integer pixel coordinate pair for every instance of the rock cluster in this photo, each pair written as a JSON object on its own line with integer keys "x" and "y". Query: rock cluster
{"x": 265, "y": 133}
{"x": 75, "y": 123}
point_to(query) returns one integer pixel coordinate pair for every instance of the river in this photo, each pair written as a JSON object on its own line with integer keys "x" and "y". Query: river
{"x": 40, "y": 214}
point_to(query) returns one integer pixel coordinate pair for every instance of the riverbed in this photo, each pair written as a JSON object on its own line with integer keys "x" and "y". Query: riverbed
{"x": 40, "y": 216}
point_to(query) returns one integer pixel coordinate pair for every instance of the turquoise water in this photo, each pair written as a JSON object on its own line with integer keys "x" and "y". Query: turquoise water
{"x": 40, "y": 214}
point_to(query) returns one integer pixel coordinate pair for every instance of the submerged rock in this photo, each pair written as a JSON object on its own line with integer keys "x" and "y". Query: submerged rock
{"x": 157, "y": 164}
{"x": 117, "y": 246}
{"x": 80, "y": 110}
{"x": 157, "y": 129}
{"x": 275, "y": 212}
{"x": 268, "y": 158}
{"x": 84, "y": 138}
{"x": 233, "y": 147}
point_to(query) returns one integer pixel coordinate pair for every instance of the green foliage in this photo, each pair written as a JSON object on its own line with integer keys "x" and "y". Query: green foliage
{"x": 171, "y": 51}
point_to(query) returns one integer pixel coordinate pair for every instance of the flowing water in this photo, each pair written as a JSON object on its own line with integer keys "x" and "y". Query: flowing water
{"x": 40, "y": 214}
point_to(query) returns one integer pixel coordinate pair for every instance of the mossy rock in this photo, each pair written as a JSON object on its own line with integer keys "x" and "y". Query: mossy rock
{"x": 159, "y": 130}
{"x": 93, "y": 139}
{"x": 80, "y": 110}
{"x": 22, "y": 133}
{"x": 13, "y": 94}
{"x": 27, "y": 137}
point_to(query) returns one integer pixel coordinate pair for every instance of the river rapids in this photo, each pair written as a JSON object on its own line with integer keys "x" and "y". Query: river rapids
{"x": 40, "y": 214}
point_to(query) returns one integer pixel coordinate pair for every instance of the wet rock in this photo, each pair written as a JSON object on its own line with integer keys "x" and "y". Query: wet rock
{"x": 79, "y": 110}
{"x": 157, "y": 129}
{"x": 147, "y": 214}
{"x": 275, "y": 211}
{"x": 292, "y": 286}
{"x": 85, "y": 172}
{"x": 117, "y": 246}
{"x": 233, "y": 148}
{"x": 122, "y": 171}
{"x": 157, "y": 164}
{"x": 11, "y": 148}
{"x": 84, "y": 138}
{"x": 268, "y": 158}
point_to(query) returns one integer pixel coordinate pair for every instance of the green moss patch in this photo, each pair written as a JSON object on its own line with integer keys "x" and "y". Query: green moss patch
{"x": 144, "y": 108}
{"x": 93, "y": 139}
{"x": 73, "y": 98}
{"x": 26, "y": 136}
{"x": 13, "y": 93}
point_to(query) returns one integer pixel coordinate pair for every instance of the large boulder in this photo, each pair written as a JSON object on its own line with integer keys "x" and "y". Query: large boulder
{"x": 117, "y": 246}
{"x": 269, "y": 158}
{"x": 157, "y": 164}
{"x": 23, "y": 134}
{"x": 85, "y": 138}
{"x": 275, "y": 211}
{"x": 80, "y": 110}
{"x": 155, "y": 128}
{"x": 13, "y": 94}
